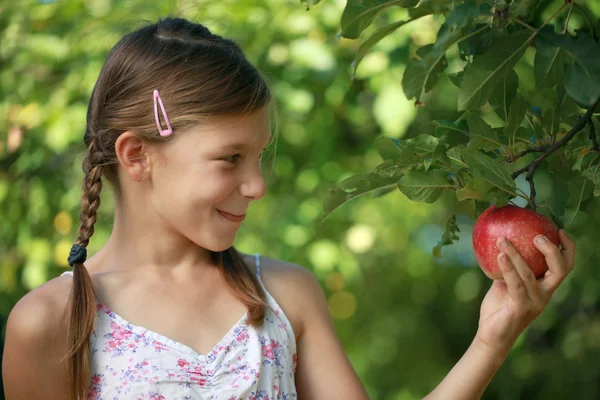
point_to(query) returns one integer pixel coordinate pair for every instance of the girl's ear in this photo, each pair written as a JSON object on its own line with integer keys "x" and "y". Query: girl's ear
{"x": 133, "y": 155}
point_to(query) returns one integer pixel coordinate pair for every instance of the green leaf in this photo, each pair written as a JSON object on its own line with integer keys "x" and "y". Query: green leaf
{"x": 551, "y": 119}
{"x": 359, "y": 14}
{"x": 431, "y": 7}
{"x": 583, "y": 87}
{"x": 491, "y": 170}
{"x": 502, "y": 199}
{"x": 519, "y": 163}
{"x": 420, "y": 150}
{"x": 410, "y": 158}
{"x": 376, "y": 37}
{"x": 467, "y": 207}
{"x": 590, "y": 165}
{"x": 439, "y": 157}
{"x": 482, "y": 135}
{"x": 424, "y": 186}
{"x": 455, "y": 156}
{"x": 580, "y": 189}
{"x": 388, "y": 148}
{"x": 503, "y": 94}
{"x": 422, "y": 144}
{"x": 538, "y": 129}
{"x": 451, "y": 139}
{"x": 582, "y": 78}
{"x": 574, "y": 218}
{"x": 422, "y": 72}
{"x": 354, "y": 183}
{"x": 545, "y": 208}
{"x": 449, "y": 236}
{"x": 443, "y": 126}
{"x": 571, "y": 156}
{"x": 457, "y": 78}
{"x": 359, "y": 185}
{"x": 548, "y": 64}
{"x": 525, "y": 133}
{"x": 309, "y": 3}
{"x": 462, "y": 15}
{"x": 567, "y": 107}
{"x": 476, "y": 188}
{"x": 594, "y": 176}
{"x": 383, "y": 191}
{"x": 516, "y": 114}
{"x": 487, "y": 70}
{"x": 389, "y": 167}
{"x": 477, "y": 44}
{"x": 468, "y": 192}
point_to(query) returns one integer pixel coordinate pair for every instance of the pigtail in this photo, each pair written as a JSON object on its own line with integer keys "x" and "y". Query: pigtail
{"x": 245, "y": 285}
{"x": 82, "y": 302}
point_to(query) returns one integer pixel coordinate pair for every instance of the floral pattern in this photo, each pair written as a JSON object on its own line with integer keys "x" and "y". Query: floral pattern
{"x": 132, "y": 362}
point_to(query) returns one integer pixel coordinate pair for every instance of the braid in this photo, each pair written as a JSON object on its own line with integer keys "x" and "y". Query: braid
{"x": 83, "y": 300}
{"x": 90, "y": 201}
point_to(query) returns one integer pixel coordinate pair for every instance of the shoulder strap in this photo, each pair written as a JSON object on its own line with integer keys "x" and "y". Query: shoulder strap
{"x": 257, "y": 262}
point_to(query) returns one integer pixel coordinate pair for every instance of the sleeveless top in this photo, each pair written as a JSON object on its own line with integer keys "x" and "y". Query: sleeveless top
{"x": 132, "y": 362}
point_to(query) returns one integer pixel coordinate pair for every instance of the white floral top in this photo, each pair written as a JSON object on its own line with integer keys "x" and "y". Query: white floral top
{"x": 132, "y": 362}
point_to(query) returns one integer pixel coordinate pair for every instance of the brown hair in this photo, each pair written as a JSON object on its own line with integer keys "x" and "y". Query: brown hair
{"x": 198, "y": 74}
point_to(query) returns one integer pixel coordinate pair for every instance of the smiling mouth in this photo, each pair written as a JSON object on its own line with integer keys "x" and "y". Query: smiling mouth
{"x": 232, "y": 217}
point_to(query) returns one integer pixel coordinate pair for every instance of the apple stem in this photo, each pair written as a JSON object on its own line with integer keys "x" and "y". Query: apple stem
{"x": 547, "y": 150}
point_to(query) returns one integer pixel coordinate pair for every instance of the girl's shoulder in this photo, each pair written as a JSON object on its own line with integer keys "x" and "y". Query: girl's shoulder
{"x": 291, "y": 285}
{"x": 40, "y": 314}
{"x": 36, "y": 342}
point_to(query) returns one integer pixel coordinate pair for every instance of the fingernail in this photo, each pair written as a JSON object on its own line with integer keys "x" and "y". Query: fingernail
{"x": 541, "y": 239}
{"x": 502, "y": 257}
{"x": 503, "y": 242}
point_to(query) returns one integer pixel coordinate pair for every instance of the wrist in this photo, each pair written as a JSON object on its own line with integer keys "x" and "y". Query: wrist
{"x": 495, "y": 355}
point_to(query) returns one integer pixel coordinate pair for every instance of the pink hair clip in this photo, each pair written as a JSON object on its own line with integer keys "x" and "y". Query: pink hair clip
{"x": 169, "y": 130}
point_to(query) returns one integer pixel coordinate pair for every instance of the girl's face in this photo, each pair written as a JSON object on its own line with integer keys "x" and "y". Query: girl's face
{"x": 209, "y": 169}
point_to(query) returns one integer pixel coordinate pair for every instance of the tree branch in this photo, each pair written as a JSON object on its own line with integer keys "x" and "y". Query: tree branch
{"x": 533, "y": 166}
{"x": 593, "y": 135}
{"x": 540, "y": 149}
{"x": 568, "y": 18}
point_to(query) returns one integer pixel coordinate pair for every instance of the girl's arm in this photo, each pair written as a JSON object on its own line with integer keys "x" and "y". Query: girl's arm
{"x": 324, "y": 371}
{"x": 507, "y": 309}
{"x": 471, "y": 375}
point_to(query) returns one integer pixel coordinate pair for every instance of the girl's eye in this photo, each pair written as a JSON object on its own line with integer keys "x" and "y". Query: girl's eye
{"x": 232, "y": 159}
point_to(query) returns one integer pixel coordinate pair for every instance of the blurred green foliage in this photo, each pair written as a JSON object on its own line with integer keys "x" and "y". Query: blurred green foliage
{"x": 404, "y": 317}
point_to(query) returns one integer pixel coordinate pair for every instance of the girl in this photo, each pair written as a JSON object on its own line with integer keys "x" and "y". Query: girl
{"x": 168, "y": 308}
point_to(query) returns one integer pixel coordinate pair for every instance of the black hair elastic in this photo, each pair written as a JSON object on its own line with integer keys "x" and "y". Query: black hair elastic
{"x": 77, "y": 255}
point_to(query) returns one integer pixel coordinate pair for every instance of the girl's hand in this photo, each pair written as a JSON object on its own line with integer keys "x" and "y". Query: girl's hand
{"x": 511, "y": 305}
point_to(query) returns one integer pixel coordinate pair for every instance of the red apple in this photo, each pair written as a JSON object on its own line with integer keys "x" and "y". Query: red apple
{"x": 520, "y": 226}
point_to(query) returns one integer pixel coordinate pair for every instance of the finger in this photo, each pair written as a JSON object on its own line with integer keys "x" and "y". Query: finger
{"x": 527, "y": 276}
{"x": 558, "y": 263}
{"x": 514, "y": 283}
{"x": 555, "y": 260}
{"x": 568, "y": 249}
